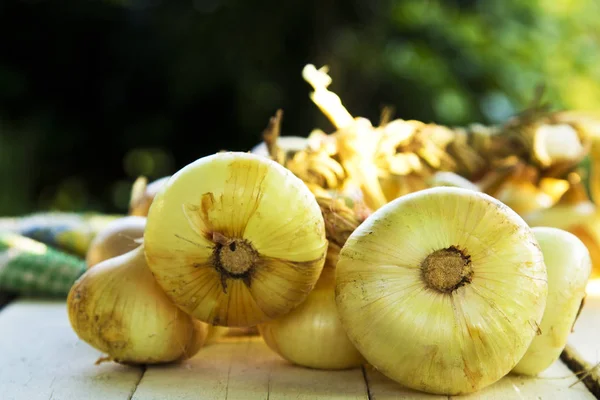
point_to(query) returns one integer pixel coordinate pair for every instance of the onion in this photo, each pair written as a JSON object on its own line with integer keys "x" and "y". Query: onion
{"x": 442, "y": 290}
{"x": 118, "y": 308}
{"x": 119, "y": 237}
{"x": 569, "y": 265}
{"x": 235, "y": 239}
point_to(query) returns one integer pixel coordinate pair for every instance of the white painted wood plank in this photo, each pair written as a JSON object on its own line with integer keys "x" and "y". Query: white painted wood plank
{"x": 383, "y": 388}
{"x": 552, "y": 384}
{"x": 292, "y": 382}
{"x": 584, "y": 337}
{"x": 42, "y": 358}
{"x": 245, "y": 368}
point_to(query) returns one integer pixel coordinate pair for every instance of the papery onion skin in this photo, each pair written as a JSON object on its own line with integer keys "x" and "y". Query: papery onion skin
{"x": 141, "y": 202}
{"x": 235, "y": 239}
{"x": 119, "y": 237}
{"x": 118, "y": 308}
{"x": 524, "y": 197}
{"x": 576, "y": 214}
{"x": 439, "y": 342}
{"x": 312, "y": 335}
{"x": 569, "y": 266}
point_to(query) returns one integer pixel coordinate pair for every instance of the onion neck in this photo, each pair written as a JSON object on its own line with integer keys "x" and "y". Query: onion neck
{"x": 138, "y": 192}
{"x": 446, "y": 270}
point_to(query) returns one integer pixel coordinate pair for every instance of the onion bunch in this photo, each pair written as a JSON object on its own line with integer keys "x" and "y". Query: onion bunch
{"x": 438, "y": 255}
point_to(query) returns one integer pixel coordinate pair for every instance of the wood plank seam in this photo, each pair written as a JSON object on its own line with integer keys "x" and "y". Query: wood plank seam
{"x": 137, "y": 384}
{"x": 235, "y": 368}
{"x": 269, "y": 385}
{"x": 366, "y": 378}
{"x": 42, "y": 358}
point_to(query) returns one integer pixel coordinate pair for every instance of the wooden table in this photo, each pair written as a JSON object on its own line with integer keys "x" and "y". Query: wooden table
{"x": 42, "y": 358}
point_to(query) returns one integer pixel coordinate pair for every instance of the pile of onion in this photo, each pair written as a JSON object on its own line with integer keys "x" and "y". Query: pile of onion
{"x": 444, "y": 290}
{"x": 231, "y": 240}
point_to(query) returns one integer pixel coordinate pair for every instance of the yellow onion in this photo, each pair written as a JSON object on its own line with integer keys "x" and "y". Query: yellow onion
{"x": 576, "y": 214}
{"x": 394, "y": 186}
{"x": 312, "y": 334}
{"x": 555, "y": 143}
{"x": 489, "y": 183}
{"x": 554, "y": 187}
{"x": 143, "y": 194}
{"x": 568, "y": 266}
{"x": 442, "y": 290}
{"x": 587, "y": 124}
{"x": 521, "y": 193}
{"x": 573, "y": 209}
{"x": 118, "y": 308}
{"x": 119, "y": 237}
{"x": 235, "y": 239}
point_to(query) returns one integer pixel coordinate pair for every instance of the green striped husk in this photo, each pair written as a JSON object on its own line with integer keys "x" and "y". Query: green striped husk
{"x": 31, "y": 268}
{"x": 70, "y": 232}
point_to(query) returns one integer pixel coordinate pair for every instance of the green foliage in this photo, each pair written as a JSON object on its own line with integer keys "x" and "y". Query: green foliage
{"x": 458, "y": 62}
{"x": 101, "y": 92}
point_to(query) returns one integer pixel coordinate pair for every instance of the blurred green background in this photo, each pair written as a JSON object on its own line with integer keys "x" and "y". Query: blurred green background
{"x": 95, "y": 93}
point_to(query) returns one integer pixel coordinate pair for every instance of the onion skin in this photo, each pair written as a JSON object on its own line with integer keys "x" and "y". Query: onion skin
{"x": 118, "y": 308}
{"x": 574, "y": 213}
{"x": 453, "y": 339}
{"x": 312, "y": 334}
{"x": 569, "y": 266}
{"x": 118, "y": 238}
{"x": 141, "y": 201}
{"x": 524, "y": 197}
{"x": 235, "y": 239}
{"x": 521, "y": 194}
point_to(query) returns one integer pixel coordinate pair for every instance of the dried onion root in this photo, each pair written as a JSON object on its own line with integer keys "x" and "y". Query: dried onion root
{"x": 397, "y": 157}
